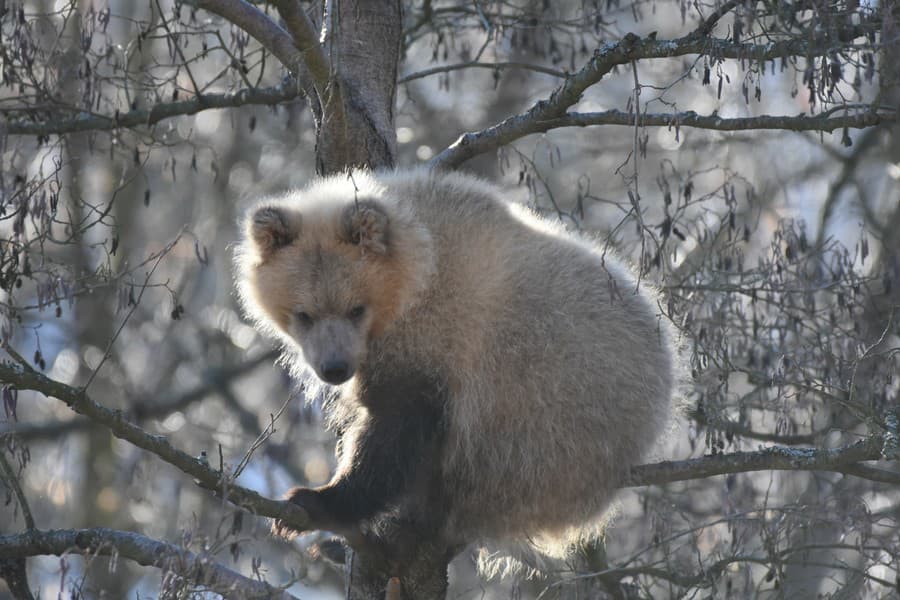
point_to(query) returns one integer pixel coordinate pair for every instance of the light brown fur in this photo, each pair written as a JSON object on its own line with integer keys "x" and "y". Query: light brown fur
{"x": 559, "y": 370}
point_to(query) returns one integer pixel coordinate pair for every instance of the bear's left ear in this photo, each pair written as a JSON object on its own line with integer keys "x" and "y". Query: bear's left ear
{"x": 365, "y": 224}
{"x": 272, "y": 227}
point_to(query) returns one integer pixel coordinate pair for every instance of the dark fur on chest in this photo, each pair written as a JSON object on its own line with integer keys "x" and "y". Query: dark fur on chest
{"x": 388, "y": 487}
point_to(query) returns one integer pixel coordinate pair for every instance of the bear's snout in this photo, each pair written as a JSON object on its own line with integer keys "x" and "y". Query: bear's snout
{"x": 335, "y": 371}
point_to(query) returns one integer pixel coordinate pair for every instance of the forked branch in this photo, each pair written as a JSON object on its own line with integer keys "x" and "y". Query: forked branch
{"x": 552, "y": 112}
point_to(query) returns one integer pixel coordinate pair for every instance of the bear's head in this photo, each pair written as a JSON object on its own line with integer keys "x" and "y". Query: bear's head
{"x": 328, "y": 275}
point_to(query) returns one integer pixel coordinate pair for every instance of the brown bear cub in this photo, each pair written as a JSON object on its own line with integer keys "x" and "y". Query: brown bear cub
{"x": 495, "y": 375}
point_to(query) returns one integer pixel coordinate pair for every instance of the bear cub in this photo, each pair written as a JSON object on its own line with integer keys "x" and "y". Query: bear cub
{"x": 491, "y": 376}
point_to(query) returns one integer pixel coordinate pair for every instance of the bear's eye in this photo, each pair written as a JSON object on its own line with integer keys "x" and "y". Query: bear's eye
{"x": 304, "y": 318}
{"x": 356, "y": 312}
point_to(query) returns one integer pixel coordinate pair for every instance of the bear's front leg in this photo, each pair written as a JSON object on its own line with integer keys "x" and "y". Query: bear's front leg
{"x": 389, "y": 465}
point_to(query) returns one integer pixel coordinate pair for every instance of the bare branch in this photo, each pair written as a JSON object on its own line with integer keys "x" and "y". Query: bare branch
{"x": 773, "y": 458}
{"x": 214, "y": 379}
{"x": 24, "y": 377}
{"x": 630, "y": 48}
{"x": 306, "y": 40}
{"x": 496, "y": 66}
{"x": 872, "y": 473}
{"x": 268, "y": 33}
{"x": 803, "y": 122}
{"x": 709, "y": 574}
{"x": 8, "y": 475}
{"x": 732, "y": 427}
{"x": 709, "y": 23}
{"x": 53, "y": 125}
{"x": 199, "y": 569}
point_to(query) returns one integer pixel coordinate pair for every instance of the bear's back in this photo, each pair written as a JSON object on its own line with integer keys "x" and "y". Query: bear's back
{"x": 559, "y": 367}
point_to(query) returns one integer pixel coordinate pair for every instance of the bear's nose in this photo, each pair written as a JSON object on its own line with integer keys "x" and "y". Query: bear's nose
{"x": 335, "y": 372}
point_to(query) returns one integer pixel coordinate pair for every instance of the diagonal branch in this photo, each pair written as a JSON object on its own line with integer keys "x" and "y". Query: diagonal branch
{"x": 8, "y": 476}
{"x": 268, "y": 33}
{"x": 24, "y": 377}
{"x": 306, "y": 40}
{"x": 298, "y": 48}
{"x": 199, "y": 569}
{"x": 709, "y": 23}
{"x": 214, "y": 380}
{"x": 844, "y": 459}
{"x": 605, "y": 59}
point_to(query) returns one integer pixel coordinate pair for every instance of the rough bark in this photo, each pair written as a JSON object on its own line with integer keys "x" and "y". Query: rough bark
{"x": 349, "y": 76}
{"x": 356, "y": 127}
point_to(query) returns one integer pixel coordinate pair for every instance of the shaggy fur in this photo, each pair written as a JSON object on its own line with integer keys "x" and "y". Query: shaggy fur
{"x": 503, "y": 373}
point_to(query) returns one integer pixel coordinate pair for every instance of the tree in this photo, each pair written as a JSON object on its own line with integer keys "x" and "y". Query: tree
{"x": 132, "y": 134}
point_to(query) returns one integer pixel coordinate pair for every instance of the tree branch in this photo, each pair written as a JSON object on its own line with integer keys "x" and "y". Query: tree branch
{"x": 8, "y": 476}
{"x": 287, "y": 91}
{"x": 709, "y": 23}
{"x": 727, "y": 426}
{"x": 773, "y": 458}
{"x": 872, "y": 473}
{"x": 214, "y": 379}
{"x": 496, "y": 66}
{"x": 306, "y": 40}
{"x": 268, "y": 33}
{"x": 199, "y": 569}
{"x": 22, "y": 376}
{"x": 843, "y": 459}
{"x": 822, "y": 122}
{"x": 630, "y": 48}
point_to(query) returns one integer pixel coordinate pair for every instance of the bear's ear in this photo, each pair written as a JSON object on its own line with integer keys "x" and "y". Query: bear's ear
{"x": 365, "y": 224}
{"x": 272, "y": 227}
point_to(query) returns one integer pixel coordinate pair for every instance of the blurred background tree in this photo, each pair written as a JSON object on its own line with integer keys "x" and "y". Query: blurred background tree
{"x": 743, "y": 155}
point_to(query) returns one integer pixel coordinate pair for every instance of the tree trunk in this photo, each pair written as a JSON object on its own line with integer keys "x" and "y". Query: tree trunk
{"x": 362, "y": 40}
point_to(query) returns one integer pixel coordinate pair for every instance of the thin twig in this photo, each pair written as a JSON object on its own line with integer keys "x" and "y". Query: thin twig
{"x": 108, "y": 352}
{"x": 636, "y": 159}
{"x": 551, "y": 112}
{"x": 8, "y": 475}
{"x": 261, "y": 439}
{"x": 24, "y": 377}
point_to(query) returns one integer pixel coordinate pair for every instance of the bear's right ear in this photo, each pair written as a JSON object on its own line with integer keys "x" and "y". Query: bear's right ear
{"x": 365, "y": 224}
{"x": 272, "y": 227}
